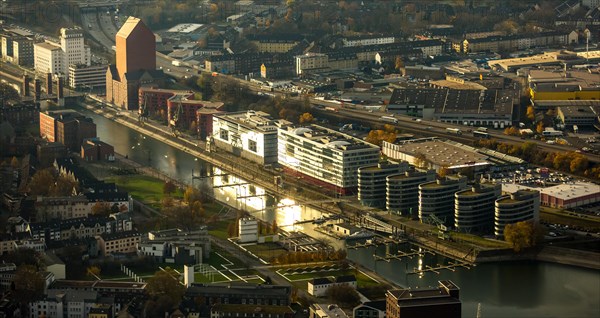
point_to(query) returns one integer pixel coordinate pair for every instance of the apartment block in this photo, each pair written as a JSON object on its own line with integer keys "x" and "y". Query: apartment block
{"x": 118, "y": 243}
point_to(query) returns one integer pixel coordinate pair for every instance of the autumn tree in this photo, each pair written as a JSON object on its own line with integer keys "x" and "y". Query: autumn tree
{"x": 93, "y": 271}
{"x": 166, "y": 287}
{"x": 343, "y": 294}
{"x": 530, "y": 113}
{"x": 421, "y": 160}
{"x": 511, "y": 131}
{"x": 306, "y": 118}
{"x": 101, "y": 208}
{"x": 40, "y": 182}
{"x": 520, "y": 235}
{"x": 28, "y": 284}
{"x": 274, "y": 227}
{"x": 377, "y": 137}
{"x": 191, "y": 194}
{"x": 539, "y": 127}
{"x": 63, "y": 186}
{"x": 232, "y": 228}
{"x": 169, "y": 187}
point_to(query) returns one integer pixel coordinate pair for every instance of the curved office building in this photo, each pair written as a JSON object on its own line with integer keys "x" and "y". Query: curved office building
{"x": 523, "y": 205}
{"x": 474, "y": 208}
{"x": 437, "y": 197}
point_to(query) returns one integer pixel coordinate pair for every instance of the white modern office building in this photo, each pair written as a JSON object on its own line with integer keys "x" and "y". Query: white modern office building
{"x": 249, "y": 134}
{"x": 474, "y": 208}
{"x": 247, "y": 230}
{"x": 87, "y": 77}
{"x": 55, "y": 58}
{"x": 522, "y": 205}
{"x": 437, "y": 197}
{"x": 372, "y": 182}
{"x": 324, "y": 156}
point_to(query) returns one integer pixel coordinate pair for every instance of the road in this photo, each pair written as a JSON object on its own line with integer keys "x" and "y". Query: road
{"x": 91, "y": 25}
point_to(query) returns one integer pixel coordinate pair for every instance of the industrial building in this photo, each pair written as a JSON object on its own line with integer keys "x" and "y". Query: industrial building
{"x": 324, "y": 156}
{"x": 372, "y": 182}
{"x": 67, "y": 127}
{"x": 521, "y": 205}
{"x": 249, "y": 134}
{"x": 577, "y": 115}
{"x": 474, "y": 208}
{"x": 562, "y": 196}
{"x": 561, "y": 84}
{"x": 437, "y": 154}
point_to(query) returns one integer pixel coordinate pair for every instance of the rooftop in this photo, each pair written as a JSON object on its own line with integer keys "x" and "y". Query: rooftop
{"x": 438, "y": 152}
{"x": 325, "y": 137}
{"x": 565, "y": 191}
{"x": 557, "y": 79}
{"x": 252, "y": 309}
{"x": 256, "y": 120}
{"x": 577, "y": 111}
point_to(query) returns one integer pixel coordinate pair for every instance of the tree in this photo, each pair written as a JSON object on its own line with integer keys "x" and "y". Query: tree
{"x": 520, "y": 235}
{"x": 421, "y": 160}
{"x": 169, "y": 188}
{"x": 512, "y": 131}
{"x": 14, "y": 162}
{"x": 28, "y": 284}
{"x": 530, "y": 113}
{"x": 63, "y": 186}
{"x": 232, "y": 229}
{"x": 306, "y": 118}
{"x": 165, "y": 286}
{"x": 579, "y": 163}
{"x": 101, "y": 208}
{"x": 191, "y": 194}
{"x": 539, "y": 127}
{"x": 25, "y": 256}
{"x": 41, "y": 181}
{"x": 274, "y": 227}
{"x": 93, "y": 271}
{"x": 378, "y": 136}
{"x": 343, "y": 294}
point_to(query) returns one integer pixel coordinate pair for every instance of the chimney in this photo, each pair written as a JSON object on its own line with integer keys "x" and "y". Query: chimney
{"x": 25, "y": 88}
{"x": 37, "y": 89}
{"x": 49, "y": 83}
{"x": 59, "y": 87}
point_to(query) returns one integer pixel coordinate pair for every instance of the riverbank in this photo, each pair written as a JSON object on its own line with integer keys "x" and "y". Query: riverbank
{"x": 298, "y": 190}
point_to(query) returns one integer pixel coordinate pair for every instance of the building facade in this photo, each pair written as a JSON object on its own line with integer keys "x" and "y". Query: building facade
{"x": 135, "y": 65}
{"x": 372, "y": 182}
{"x": 250, "y": 134}
{"x": 118, "y": 243}
{"x": 248, "y": 230}
{"x": 441, "y": 302}
{"x": 522, "y": 205}
{"x": 48, "y": 58}
{"x": 437, "y": 197}
{"x": 324, "y": 156}
{"x": 88, "y": 77}
{"x": 474, "y": 208}
{"x": 402, "y": 191}
{"x": 318, "y": 286}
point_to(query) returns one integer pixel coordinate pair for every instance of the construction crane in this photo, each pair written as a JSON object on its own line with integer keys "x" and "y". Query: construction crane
{"x": 175, "y": 120}
{"x": 442, "y": 229}
{"x": 143, "y": 110}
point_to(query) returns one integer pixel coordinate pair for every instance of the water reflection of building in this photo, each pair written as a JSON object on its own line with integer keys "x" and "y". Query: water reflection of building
{"x": 440, "y": 302}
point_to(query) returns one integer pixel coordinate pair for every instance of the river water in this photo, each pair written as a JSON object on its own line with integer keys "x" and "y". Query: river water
{"x": 518, "y": 289}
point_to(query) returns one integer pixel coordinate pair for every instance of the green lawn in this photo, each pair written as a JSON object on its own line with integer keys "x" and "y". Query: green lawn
{"x": 141, "y": 187}
{"x": 219, "y": 229}
{"x": 216, "y": 278}
{"x": 478, "y": 240}
{"x": 216, "y": 261}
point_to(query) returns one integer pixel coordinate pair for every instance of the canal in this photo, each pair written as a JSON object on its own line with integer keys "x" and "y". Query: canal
{"x": 518, "y": 289}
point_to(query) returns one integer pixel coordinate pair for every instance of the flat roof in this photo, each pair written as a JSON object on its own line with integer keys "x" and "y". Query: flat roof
{"x": 48, "y": 46}
{"x": 565, "y": 191}
{"x": 561, "y": 103}
{"x": 440, "y": 152}
{"x": 185, "y": 28}
{"x": 256, "y": 120}
{"x": 584, "y": 79}
{"x": 577, "y": 111}
{"x": 458, "y": 85}
{"x": 329, "y": 138}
